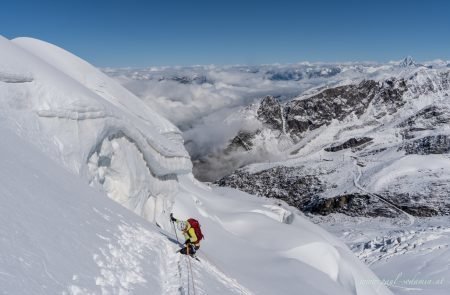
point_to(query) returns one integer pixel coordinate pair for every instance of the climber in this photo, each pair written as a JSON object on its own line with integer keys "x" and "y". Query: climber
{"x": 192, "y": 233}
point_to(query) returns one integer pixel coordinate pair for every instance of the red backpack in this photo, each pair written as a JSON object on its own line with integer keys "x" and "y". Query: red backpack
{"x": 196, "y": 226}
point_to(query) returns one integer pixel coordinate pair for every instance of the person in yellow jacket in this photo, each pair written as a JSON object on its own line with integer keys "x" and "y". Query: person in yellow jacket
{"x": 192, "y": 243}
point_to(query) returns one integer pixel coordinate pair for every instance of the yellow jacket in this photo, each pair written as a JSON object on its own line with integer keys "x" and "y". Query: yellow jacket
{"x": 189, "y": 234}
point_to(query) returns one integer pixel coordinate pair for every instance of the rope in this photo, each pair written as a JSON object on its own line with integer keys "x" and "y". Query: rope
{"x": 189, "y": 265}
{"x": 188, "y": 275}
{"x": 192, "y": 274}
{"x": 188, "y": 247}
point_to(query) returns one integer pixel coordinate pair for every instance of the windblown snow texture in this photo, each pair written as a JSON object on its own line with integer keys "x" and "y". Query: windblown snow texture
{"x": 58, "y": 235}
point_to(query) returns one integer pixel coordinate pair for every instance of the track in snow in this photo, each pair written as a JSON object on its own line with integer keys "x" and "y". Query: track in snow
{"x": 358, "y": 185}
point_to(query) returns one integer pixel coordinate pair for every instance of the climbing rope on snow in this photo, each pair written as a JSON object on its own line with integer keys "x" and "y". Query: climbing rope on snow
{"x": 188, "y": 276}
{"x": 192, "y": 274}
{"x": 188, "y": 264}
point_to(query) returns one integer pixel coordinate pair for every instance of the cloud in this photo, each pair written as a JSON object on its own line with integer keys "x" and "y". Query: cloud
{"x": 208, "y": 103}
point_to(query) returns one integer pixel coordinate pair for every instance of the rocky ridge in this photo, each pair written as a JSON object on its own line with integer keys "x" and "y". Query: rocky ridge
{"x": 374, "y": 126}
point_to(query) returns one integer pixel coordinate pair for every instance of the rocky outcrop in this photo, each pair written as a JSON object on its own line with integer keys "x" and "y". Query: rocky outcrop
{"x": 334, "y": 103}
{"x": 324, "y": 189}
{"x": 302, "y": 191}
{"x": 339, "y": 102}
{"x": 437, "y": 144}
{"x": 243, "y": 141}
{"x": 307, "y": 114}
{"x": 421, "y": 211}
{"x": 428, "y": 118}
{"x": 271, "y": 113}
{"x": 283, "y": 183}
{"x": 351, "y": 143}
{"x": 353, "y": 205}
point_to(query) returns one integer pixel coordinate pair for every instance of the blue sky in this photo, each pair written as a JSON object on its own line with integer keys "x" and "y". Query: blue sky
{"x": 145, "y": 33}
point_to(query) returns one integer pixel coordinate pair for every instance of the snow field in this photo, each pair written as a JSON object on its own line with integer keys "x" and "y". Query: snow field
{"x": 60, "y": 235}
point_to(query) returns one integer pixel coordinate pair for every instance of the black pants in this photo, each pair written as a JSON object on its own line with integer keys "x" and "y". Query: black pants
{"x": 192, "y": 250}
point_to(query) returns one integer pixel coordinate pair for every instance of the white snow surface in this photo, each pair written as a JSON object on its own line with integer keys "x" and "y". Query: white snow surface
{"x": 90, "y": 124}
{"x": 61, "y": 236}
{"x": 410, "y": 259}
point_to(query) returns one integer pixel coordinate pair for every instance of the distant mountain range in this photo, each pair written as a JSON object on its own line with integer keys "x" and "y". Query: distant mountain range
{"x": 363, "y": 139}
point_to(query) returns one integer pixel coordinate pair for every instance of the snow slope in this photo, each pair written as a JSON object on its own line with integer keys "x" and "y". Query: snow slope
{"x": 91, "y": 125}
{"x": 247, "y": 234}
{"x": 59, "y": 236}
{"x": 66, "y": 237}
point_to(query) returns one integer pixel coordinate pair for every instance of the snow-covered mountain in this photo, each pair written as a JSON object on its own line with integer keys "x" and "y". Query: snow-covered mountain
{"x": 361, "y": 147}
{"x": 198, "y": 99}
{"x": 377, "y": 113}
{"x": 73, "y": 136}
{"x": 372, "y": 148}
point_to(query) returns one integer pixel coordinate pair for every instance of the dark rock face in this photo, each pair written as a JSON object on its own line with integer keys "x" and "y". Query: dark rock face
{"x": 308, "y": 114}
{"x": 282, "y": 183}
{"x": 421, "y": 204}
{"x": 301, "y": 191}
{"x": 420, "y": 211}
{"x": 271, "y": 113}
{"x": 353, "y": 205}
{"x": 243, "y": 140}
{"x": 438, "y": 144}
{"x": 390, "y": 95}
{"x": 339, "y": 102}
{"x": 334, "y": 103}
{"x": 351, "y": 143}
{"x": 430, "y": 118}
{"x": 304, "y": 191}
{"x": 296, "y": 118}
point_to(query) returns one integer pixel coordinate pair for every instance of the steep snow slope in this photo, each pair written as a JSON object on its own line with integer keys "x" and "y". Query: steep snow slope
{"x": 59, "y": 236}
{"x": 270, "y": 246}
{"x": 99, "y": 131}
{"x": 118, "y": 145}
